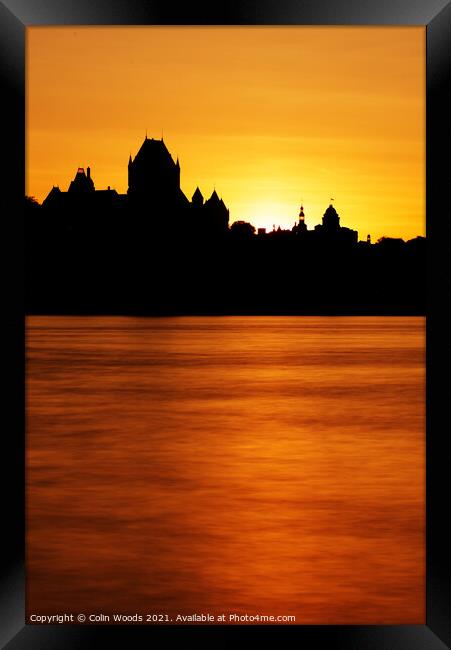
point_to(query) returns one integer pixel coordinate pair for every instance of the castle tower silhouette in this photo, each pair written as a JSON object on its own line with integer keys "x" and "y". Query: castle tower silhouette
{"x": 153, "y": 176}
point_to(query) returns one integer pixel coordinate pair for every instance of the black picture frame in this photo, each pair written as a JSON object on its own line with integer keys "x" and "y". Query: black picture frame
{"x": 15, "y": 17}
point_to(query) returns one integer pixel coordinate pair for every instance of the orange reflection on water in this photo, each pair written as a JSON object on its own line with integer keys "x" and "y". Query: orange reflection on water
{"x": 270, "y": 465}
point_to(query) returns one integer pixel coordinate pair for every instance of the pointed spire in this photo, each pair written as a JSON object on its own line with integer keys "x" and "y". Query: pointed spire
{"x": 130, "y": 160}
{"x": 197, "y": 198}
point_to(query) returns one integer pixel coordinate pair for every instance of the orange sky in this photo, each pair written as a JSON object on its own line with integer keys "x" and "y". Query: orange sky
{"x": 269, "y": 116}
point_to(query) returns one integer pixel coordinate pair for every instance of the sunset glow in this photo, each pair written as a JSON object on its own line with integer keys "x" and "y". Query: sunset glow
{"x": 269, "y": 116}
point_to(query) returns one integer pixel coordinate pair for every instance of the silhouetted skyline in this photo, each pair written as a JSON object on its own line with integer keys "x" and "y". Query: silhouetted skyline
{"x": 153, "y": 250}
{"x": 271, "y": 116}
{"x": 154, "y": 183}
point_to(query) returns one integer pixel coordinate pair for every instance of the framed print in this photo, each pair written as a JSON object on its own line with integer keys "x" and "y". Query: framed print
{"x": 227, "y": 391}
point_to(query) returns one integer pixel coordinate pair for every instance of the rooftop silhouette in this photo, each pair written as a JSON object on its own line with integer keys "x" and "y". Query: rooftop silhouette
{"x": 152, "y": 250}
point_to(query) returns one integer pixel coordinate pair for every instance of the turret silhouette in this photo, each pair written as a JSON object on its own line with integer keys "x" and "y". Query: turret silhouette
{"x": 82, "y": 182}
{"x": 331, "y": 220}
{"x": 197, "y": 198}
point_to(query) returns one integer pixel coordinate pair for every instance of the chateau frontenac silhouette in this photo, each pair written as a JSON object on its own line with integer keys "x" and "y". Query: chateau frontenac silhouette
{"x": 153, "y": 250}
{"x": 153, "y": 190}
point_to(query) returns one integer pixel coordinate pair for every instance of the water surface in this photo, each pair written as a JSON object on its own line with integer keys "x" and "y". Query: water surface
{"x": 270, "y": 465}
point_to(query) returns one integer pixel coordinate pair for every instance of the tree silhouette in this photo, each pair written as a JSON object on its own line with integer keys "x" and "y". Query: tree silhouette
{"x": 242, "y": 229}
